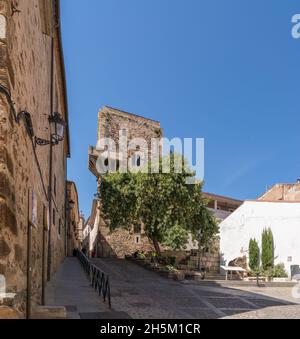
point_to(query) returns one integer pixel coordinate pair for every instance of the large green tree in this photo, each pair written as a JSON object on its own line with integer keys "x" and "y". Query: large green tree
{"x": 169, "y": 208}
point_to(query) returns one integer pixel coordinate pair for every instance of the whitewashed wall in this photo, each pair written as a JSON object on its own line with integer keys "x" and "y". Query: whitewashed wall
{"x": 249, "y": 220}
{"x": 94, "y": 231}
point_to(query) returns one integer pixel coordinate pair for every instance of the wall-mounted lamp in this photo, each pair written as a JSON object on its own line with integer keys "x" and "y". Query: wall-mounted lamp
{"x": 57, "y": 125}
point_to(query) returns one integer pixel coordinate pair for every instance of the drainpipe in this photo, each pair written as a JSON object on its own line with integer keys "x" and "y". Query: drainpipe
{"x": 29, "y": 268}
{"x": 44, "y": 257}
{"x": 50, "y": 153}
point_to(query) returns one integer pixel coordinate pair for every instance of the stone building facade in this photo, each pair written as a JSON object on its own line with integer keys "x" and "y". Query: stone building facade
{"x": 32, "y": 177}
{"x": 74, "y": 220}
{"x": 114, "y": 123}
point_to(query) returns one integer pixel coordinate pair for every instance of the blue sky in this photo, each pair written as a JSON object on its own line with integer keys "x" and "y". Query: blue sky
{"x": 227, "y": 71}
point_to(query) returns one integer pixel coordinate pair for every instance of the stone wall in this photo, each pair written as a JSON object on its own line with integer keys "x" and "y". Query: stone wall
{"x": 25, "y": 72}
{"x": 112, "y": 121}
{"x": 120, "y": 243}
{"x": 73, "y": 220}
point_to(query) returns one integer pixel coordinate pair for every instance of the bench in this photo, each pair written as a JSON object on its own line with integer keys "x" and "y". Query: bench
{"x": 231, "y": 269}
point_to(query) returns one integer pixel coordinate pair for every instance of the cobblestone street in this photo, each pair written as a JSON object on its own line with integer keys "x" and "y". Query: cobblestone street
{"x": 144, "y": 294}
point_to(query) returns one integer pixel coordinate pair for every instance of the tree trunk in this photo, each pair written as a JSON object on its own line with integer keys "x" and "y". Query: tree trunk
{"x": 199, "y": 256}
{"x": 156, "y": 246}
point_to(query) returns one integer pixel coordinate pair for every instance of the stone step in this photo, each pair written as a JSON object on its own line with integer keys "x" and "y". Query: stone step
{"x": 49, "y": 312}
{"x": 9, "y": 313}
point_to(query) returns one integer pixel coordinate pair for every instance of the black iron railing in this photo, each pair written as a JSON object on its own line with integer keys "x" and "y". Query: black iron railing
{"x": 98, "y": 278}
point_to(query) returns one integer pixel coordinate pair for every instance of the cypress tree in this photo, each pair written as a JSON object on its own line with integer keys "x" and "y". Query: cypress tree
{"x": 253, "y": 255}
{"x": 267, "y": 253}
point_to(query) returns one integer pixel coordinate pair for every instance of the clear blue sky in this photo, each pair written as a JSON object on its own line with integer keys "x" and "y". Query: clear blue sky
{"x": 228, "y": 71}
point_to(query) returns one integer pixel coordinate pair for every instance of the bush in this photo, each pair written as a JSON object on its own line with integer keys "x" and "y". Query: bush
{"x": 253, "y": 255}
{"x": 141, "y": 255}
{"x": 170, "y": 268}
{"x": 172, "y": 261}
{"x": 267, "y": 252}
{"x": 280, "y": 272}
{"x": 277, "y": 271}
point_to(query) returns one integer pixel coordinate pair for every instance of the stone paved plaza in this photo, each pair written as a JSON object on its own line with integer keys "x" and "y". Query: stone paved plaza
{"x": 138, "y": 293}
{"x": 144, "y": 294}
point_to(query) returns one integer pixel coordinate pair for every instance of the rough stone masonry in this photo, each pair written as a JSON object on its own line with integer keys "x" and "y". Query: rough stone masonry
{"x": 25, "y": 80}
{"x": 112, "y": 122}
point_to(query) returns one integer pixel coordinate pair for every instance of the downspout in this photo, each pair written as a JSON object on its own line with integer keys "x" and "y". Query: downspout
{"x": 51, "y": 152}
{"x": 29, "y": 268}
{"x": 44, "y": 257}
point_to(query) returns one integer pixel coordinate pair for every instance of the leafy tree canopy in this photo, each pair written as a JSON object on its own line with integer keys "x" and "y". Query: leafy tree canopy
{"x": 168, "y": 207}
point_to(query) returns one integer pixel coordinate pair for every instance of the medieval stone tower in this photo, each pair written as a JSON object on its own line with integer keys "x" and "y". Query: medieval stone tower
{"x": 113, "y": 123}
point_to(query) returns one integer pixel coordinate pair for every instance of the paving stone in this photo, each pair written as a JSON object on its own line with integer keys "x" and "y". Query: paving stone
{"x": 200, "y": 313}
{"x": 228, "y": 302}
{"x": 71, "y": 288}
{"x": 140, "y": 294}
{"x": 266, "y": 302}
{"x": 236, "y": 311}
{"x": 71, "y": 308}
{"x": 104, "y": 315}
{"x": 188, "y": 302}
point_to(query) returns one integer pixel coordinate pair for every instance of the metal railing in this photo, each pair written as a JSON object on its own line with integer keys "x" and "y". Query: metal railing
{"x": 98, "y": 278}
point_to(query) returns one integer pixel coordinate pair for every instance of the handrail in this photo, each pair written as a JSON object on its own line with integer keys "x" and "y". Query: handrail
{"x": 98, "y": 278}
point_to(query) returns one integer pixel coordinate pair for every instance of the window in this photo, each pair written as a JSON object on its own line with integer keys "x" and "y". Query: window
{"x": 136, "y": 160}
{"x": 54, "y": 221}
{"x": 59, "y": 227}
{"x": 137, "y": 239}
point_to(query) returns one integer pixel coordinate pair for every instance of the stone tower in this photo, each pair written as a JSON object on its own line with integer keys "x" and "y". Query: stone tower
{"x": 113, "y": 123}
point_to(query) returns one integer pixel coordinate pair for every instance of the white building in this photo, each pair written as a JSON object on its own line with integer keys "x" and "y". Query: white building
{"x": 249, "y": 220}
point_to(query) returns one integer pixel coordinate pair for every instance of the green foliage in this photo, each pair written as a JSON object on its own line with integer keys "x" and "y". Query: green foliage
{"x": 175, "y": 237}
{"x": 253, "y": 255}
{"x": 171, "y": 268}
{"x": 267, "y": 253}
{"x": 278, "y": 271}
{"x": 141, "y": 255}
{"x": 203, "y": 225}
{"x": 118, "y": 197}
{"x": 172, "y": 260}
{"x": 167, "y": 206}
{"x": 267, "y": 258}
